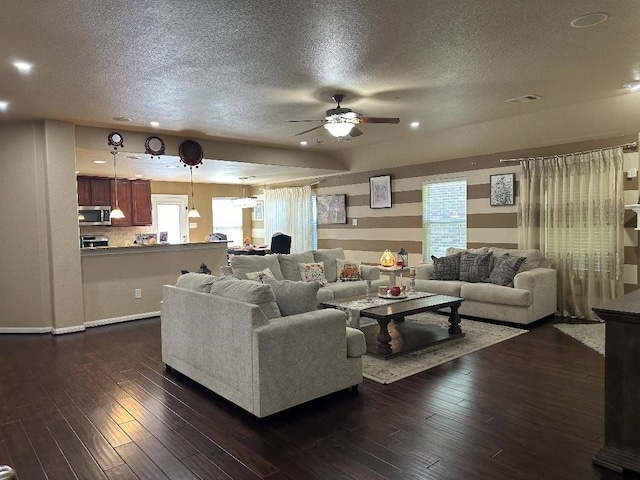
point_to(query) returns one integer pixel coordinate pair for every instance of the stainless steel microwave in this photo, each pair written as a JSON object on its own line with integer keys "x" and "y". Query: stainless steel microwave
{"x": 94, "y": 215}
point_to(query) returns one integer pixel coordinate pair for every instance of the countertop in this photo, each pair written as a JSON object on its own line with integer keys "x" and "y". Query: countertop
{"x": 158, "y": 247}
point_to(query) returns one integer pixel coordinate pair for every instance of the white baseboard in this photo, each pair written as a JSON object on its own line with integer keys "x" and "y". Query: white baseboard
{"x": 74, "y": 329}
{"x": 126, "y": 318}
{"x": 25, "y": 329}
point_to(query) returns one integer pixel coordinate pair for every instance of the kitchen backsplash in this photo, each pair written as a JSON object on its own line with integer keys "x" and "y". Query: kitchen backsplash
{"x": 118, "y": 236}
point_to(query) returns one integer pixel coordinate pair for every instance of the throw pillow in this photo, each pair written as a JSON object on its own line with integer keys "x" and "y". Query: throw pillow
{"x": 475, "y": 267}
{"x": 294, "y": 297}
{"x": 329, "y": 257}
{"x": 200, "y": 282}
{"x": 250, "y": 292}
{"x": 348, "y": 271}
{"x": 446, "y": 268}
{"x": 312, "y": 272}
{"x": 259, "y": 276}
{"x": 505, "y": 270}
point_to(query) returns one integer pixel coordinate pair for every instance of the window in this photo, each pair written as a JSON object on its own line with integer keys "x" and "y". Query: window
{"x": 314, "y": 228}
{"x": 227, "y": 219}
{"x": 444, "y": 216}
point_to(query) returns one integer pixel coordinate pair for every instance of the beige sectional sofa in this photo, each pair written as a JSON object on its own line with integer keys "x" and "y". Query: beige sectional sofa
{"x": 287, "y": 267}
{"x": 233, "y": 337}
{"x": 531, "y": 297}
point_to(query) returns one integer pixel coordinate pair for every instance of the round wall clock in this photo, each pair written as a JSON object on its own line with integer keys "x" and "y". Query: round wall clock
{"x": 190, "y": 153}
{"x": 115, "y": 139}
{"x": 154, "y": 146}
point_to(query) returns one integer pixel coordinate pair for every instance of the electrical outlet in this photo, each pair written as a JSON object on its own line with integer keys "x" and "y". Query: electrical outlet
{"x": 137, "y": 293}
{"x": 354, "y": 222}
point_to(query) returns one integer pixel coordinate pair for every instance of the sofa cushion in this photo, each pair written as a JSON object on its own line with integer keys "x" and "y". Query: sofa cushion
{"x": 505, "y": 269}
{"x": 446, "y": 268}
{"x": 454, "y": 250}
{"x": 259, "y": 276}
{"x": 475, "y": 267}
{"x": 294, "y": 297}
{"x": 329, "y": 257}
{"x": 289, "y": 264}
{"x": 533, "y": 256}
{"x": 243, "y": 264}
{"x": 312, "y": 272}
{"x": 347, "y": 270}
{"x": 490, "y": 293}
{"x": 347, "y": 289}
{"x": 441, "y": 287}
{"x": 200, "y": 282}
{"x": 250, "y": 292}
{"x": 356, "y": 344}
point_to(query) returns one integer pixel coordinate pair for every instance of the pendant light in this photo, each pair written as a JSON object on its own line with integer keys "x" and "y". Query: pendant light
{"x": 193, "y": 213}
{"x": 116, "y": 212}
{"x": 245, "y": 201}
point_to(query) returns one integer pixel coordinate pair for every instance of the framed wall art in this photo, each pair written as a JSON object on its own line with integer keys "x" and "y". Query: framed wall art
{"x": 258, "y": 211}
{"x": 331, "y": 209}
{"x": 380, "y": 191}
{"x": 503, "y": 189}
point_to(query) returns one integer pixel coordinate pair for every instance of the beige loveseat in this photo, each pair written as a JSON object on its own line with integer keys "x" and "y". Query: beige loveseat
{"x": 532, "y": 295}
{"x": 287, "y": 267}
{"x": 232, "y": 337}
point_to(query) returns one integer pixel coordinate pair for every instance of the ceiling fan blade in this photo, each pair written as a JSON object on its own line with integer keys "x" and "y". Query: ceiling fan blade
{"x": 378, "y": 120}
{"x": 355, "y": 132}
{"x": 310, "y": 130}
{"x": 295, "y": 121}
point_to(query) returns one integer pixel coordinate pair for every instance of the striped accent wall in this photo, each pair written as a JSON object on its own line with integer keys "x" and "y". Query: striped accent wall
{"x": 401, "y": 226}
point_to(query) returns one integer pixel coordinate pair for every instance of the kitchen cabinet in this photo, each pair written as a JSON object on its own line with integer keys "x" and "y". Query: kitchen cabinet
{"x": 134, "y": 199}
{"x": 94, "y": 191}
{"x": 140, "y": 202}
{"x": 124, "y": 202}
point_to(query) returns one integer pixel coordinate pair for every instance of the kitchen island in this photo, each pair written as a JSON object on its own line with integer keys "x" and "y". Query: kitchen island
{"x": 125, "y": 283}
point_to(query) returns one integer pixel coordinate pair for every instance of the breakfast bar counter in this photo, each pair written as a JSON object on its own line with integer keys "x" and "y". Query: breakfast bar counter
{"x": 125, "y": 283}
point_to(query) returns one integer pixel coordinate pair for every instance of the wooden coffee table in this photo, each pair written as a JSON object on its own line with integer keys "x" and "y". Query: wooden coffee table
{"x": 387, "y": 340}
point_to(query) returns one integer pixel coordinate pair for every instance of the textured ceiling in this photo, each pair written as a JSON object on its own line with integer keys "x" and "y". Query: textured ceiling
{"x": 238, "y": 70}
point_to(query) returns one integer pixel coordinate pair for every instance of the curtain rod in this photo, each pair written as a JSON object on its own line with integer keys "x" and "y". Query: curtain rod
{"x": 625, "y": 146}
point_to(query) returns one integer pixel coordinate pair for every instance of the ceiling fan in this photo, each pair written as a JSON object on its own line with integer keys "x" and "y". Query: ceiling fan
{"x": 341, "y": 121}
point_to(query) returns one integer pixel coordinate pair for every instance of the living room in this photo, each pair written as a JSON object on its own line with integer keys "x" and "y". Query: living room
{"x": 552, "y": 386}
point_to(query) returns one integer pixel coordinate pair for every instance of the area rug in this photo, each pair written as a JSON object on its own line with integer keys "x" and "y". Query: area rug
{"x": 478, "y": 335}
{"x": 591, "y": 334}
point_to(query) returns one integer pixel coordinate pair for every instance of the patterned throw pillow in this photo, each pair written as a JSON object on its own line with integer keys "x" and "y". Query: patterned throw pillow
{"x": 260, "y": 276}
{"x": 446, "y": 268}
{"x": 313, "y": 272}
{"x": 505, "y": 270}
{"x": 347, "y": 270}
{"x": 475, "y": 267}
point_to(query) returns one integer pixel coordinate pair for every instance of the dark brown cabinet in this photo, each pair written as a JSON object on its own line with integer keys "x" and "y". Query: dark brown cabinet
{"x": 140, "y": 202}
{"x": 124, "y": 202}
{"x": 94, "y": 191}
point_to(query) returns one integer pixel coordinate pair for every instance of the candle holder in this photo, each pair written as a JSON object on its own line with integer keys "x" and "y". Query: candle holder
{"x": 412, "y": 283}
{"x": 368, "y": 282}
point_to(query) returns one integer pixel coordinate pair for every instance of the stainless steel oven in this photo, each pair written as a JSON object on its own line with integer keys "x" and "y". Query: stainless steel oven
{"x": 94, "y": 215}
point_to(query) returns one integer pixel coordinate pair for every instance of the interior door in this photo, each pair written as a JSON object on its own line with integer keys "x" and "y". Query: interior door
{"x": 169, "y": 214}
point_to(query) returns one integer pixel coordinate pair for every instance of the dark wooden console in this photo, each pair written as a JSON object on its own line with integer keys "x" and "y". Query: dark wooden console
{"x": 622, "y": 388}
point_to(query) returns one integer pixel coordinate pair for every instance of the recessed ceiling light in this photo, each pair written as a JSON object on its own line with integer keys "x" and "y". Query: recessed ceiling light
{"x": 23, "y": 67}
{"x": 99, "y": 161}
{"x": 414, "y": 124}
{"x": 589, "y": 20}
{"x": 154, "y": 124}
{"x": 633, "y": 86}
{"x": 4, "y": 105}
{"x": 122, "y": 119}
{"x": 303, "y": 143}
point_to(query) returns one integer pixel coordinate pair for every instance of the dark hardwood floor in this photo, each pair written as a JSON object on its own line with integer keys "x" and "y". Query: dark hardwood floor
{"x": 100, "y": 405}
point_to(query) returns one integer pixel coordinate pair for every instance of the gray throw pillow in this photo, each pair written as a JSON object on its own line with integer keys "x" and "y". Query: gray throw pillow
{"x": 446, "y": 268}
{"x": 505, "y": 270}
{"x": 475, "y": 267}
{"x": 248, "y": 291}
{"x": 200, "y": 282}
{"x": 294, "y": 297}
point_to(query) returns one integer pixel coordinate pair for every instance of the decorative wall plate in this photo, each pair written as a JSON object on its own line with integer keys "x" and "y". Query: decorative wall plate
{"x": 115, "y": 140}
{"x": 190, "y": 153}
{"x": 154, "y": 146}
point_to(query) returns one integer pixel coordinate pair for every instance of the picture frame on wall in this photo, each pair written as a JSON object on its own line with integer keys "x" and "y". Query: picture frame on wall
{"x": 258, "y": 211}
{"x": 380, "y": 191}
{"x": 503, "y": 189}
{"x": 331, "y": 209}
